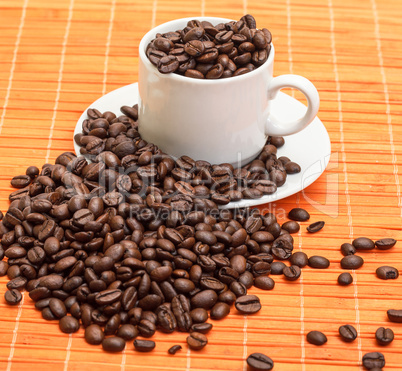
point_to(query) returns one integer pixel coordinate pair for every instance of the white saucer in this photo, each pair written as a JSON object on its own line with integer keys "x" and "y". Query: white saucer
{"x": 310, "y": 148}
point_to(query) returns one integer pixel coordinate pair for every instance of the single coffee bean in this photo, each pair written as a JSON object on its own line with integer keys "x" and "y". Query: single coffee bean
{"x": 113, "y": 344}
{"x": 363, "y": 243}
{"x": 299, "y": 215}
{"x": 318, "y": 262}
{"x": 352, "y": 262}
{"x": 203, "y": 328}
{"x": 345, "y": 279}
{"x": 264, "y": 283}
{"x": 348, "y": 333}
{"x": 316, "y": 338}
{"x": 384, "y": 336}
{"x": 127, "y": 332}
{"x": 315, "y": 227}
{"x": 347, "y": 249}
{"x": 69, "y": 324}
{"x": 385, "y": 243}
{"x": 248, "y": 304}
{"x": 12, "y": 297}
{"x": 292, "y": 273}
{"x": 395, "y": 315}
{"x": 299, "y": 258}
{"x": 259, "y": 362}
{"x": 196, "y": 340}
{"x": 386, "y": 272}
{"x": 144, "y": 345}
{"x": 199, "y": 315}
{"x": 219, "y": 311}
{"x": 373, "y": 360}
{"x": 291, "y": 227}
{"x": 277, "y": 268}
{"x": 94, "y": 334}
{"x": 174, "y": 349}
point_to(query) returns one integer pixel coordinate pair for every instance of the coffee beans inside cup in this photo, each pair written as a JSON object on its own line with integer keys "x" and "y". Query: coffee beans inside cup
{"x": 205, "y": 51}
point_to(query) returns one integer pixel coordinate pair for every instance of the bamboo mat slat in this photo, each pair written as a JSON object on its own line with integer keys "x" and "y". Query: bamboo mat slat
{"x": 56, "y": 57}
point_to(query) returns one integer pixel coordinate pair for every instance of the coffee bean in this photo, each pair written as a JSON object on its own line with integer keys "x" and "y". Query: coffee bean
{"x": 69, "y": 324}
{"x": 395, "y": 315}
{"x": 94, "y": 334}
{"x": 248, "y": 304}
{"x": 347, "y": 249}
{"x": 345, "y": 279}
{"x": 373, "y": 360}
{"x": 299, "y": 214}
{"x": 385, "y": 243}
{"x": 174, "y": 349}
{"x": 277, "y": 268}
{"x": 363, "y": 243}
{"x": 203, "y": 328}
{"x": 264, "y": 283}
{"x": 316, "y": 338}
{"x": 384, "y": 336}
{"x": 220, "y": 310}
{"x": 113, "y": 344}
{"x": 12, "y": 297}
{"x": 298, "y": 258}
{"x": 292, "y": 273}
{"x": 291, "y": 226}
{"x": 259, "y": 362}
{"x": 127, "y": 332}
{"x": 315, "y": 227}
{"x": 352, "y": 262}
{"x": 348, "y": 333}
{"x": 318, "y": 262}
{"x": 196, "y": 340}
{"x": 386, "y": 272}
{"x": 144, "y": 345}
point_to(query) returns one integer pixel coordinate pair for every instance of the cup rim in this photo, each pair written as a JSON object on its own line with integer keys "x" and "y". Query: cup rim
{"x": 176, "y": 77}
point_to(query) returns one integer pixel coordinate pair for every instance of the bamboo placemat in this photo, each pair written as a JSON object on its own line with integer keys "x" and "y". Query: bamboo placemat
{"x": 56, "y": 57}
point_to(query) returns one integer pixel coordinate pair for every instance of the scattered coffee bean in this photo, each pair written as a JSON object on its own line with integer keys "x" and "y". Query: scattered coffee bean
{"x": 345, "y": 279}
{"x": 347, "y": 249}
{"x": 298, "y": 258}
{"x": 12, "y": 297}
{"x": 315, "y": 227}
{"x": 94, "y": 334}
{"x": 292, "y": 273}
{"x": 298, "y": 214}
{"x": 385, "y": 243}
{"x": 264, "y": 283}
{"x": 352, "y": 262}
{"x": 363, "y": 243}
{"x": 127, "y": 332}
{"x": 174, "y": 349}
{"x": 384, "y": 336}
{"x": 316, "y": 338}
{"x": 373, "y": 360}
{"x": 348, "y": 333}
{"x": 197, "y": 340}
{"x": 291, "y": 226}
{"x": 69, "y": 324}
{"x": 203, "y": 328}
{"x": 318, "y": 262}
{"x": 386, "y": 272}
{"x": 277, "y": 268}
{"x": 144, "y": 345}
{"x": 259, "y": 362}
{"x": 395, "y": 315}
{"x": 220, "y": 310}
{"x": 113, "y": 344}
{"x": 248, "y": 304}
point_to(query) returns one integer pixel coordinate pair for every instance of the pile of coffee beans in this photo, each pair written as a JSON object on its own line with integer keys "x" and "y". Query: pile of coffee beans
{"x": 138, "y": 168}
{"x": 203, "y": 50}
{"x": 135, "y": 242}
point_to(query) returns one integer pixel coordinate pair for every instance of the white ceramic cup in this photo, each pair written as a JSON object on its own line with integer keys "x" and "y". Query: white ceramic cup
{"x": 219, "y": 121}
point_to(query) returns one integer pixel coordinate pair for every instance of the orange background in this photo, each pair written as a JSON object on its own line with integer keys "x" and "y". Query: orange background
{"x": 56, "y": 57}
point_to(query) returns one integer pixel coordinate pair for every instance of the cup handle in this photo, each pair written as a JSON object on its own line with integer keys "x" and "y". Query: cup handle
{"x": 279, "y": 128}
